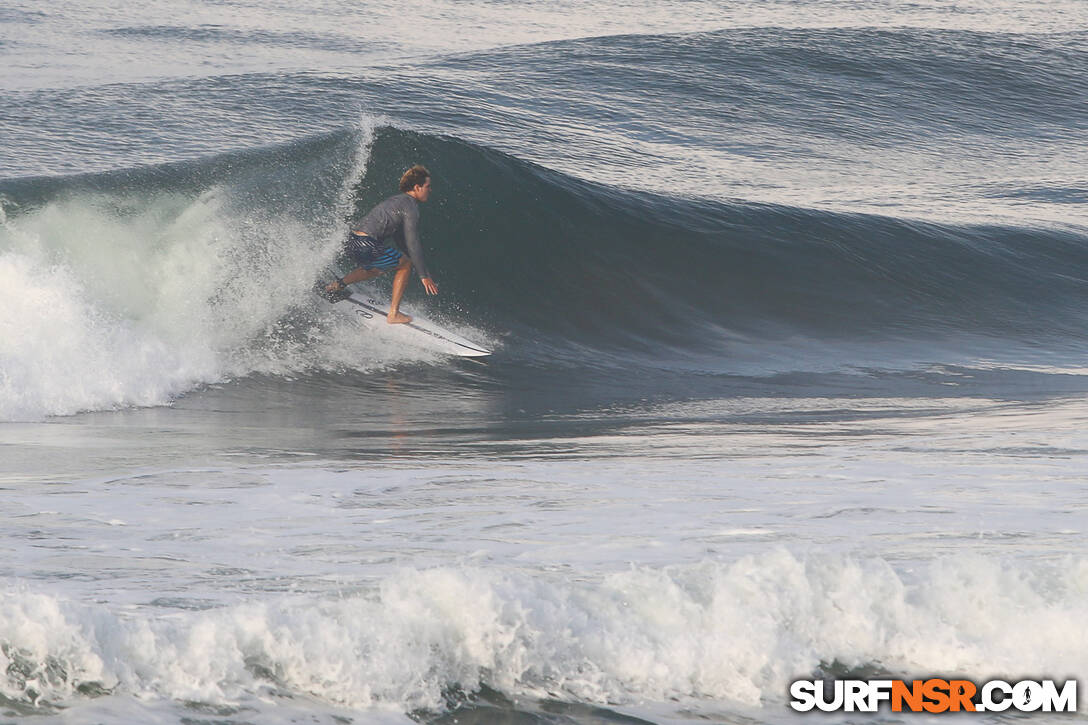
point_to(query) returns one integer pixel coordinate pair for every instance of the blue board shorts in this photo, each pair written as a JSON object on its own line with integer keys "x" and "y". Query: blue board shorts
{"x": 369, "y": 253}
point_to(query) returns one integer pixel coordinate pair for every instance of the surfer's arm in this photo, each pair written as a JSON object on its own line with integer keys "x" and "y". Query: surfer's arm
{"x": 414, "y": 248}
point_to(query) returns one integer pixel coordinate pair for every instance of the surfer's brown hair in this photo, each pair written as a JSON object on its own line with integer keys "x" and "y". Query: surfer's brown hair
{"x": 413, "y": 177}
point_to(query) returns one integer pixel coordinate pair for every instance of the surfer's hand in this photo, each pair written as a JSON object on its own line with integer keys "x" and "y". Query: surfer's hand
{"x": 429, "y": 285}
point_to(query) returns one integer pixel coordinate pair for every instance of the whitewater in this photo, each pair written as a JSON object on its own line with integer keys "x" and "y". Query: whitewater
{"x": 788, "y": 305}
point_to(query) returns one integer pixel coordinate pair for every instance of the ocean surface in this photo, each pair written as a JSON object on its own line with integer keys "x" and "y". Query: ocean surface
{"x": 789, "y": 301}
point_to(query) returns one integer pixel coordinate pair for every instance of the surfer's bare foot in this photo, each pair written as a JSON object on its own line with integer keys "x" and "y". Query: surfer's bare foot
{"x": 398, "y": 318}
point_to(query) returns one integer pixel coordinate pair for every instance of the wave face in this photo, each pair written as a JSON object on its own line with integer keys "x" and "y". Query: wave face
{"x": 162, "y": 279}
{"x": 572, "y": 260}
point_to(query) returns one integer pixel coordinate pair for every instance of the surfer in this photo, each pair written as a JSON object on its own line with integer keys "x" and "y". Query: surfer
{"x": 388, "y": 238}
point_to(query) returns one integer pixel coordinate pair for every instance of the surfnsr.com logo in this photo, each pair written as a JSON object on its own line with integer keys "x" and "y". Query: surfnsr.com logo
{"x": 934, "y": 696}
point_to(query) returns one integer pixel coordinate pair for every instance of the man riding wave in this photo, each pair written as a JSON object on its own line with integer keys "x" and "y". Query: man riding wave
{"x": 388, "y": 238}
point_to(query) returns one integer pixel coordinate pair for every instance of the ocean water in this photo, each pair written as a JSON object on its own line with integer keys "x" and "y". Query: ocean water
{"x": 789, "y": 305}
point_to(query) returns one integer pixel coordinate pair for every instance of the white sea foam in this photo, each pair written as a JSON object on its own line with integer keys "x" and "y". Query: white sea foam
{"x": 121, "y": 300}
{"x": 60, "y": 354}
{"x": 710, "y": 634}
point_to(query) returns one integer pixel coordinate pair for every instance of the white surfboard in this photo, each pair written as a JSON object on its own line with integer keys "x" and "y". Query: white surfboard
{"x": 422, "y": 332}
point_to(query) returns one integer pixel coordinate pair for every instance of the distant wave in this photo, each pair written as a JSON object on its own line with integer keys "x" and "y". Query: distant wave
{"x": 204, "y": 33}
{"x": 873, "y": 85}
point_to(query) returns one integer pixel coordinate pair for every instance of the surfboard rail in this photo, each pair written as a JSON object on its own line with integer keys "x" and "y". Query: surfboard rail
{"x": 449, "y": 342}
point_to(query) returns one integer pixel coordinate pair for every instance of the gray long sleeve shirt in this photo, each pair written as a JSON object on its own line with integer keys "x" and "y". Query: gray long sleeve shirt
{"x": 396, "y": 220}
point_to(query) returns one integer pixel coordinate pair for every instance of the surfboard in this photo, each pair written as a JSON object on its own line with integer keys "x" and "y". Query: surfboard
{"x": 419, "y": 331}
